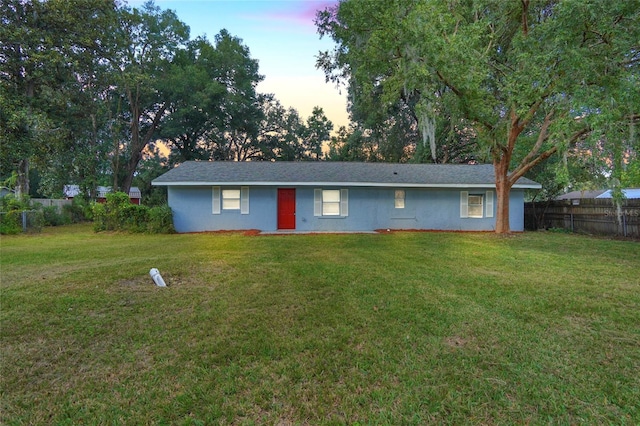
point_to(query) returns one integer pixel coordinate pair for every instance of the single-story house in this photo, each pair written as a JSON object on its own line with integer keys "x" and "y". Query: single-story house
{"x": 336, "y": 196}
{"x": 71, "y": 191}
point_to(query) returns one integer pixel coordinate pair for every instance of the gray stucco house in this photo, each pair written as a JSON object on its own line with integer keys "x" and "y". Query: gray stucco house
{"x": 335, "y": 196}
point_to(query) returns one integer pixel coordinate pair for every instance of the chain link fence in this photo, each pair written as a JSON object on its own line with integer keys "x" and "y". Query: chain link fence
{"x": 17, "y": 221}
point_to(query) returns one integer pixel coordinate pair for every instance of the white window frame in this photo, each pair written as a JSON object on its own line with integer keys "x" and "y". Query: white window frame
{"x": 486, "y": 204}
{"x": 475, "y": 206}
{"x": 230, "y": 199}
{"x": 399, "y": 198}
{"x": 326, "y": 204}
{"x": 330, "y": 202}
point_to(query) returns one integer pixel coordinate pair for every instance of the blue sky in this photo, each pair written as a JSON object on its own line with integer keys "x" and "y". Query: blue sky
{"x": 281, "y": 35}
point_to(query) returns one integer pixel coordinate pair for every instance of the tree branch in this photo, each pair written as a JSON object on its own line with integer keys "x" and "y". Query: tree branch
{"x": 525, "y": 23}
{"x": 446, "y": 82}
{"x": 514, "y": 176}
{"x": 524, "y": 168}
{"x": 514, "y": 131}
{"x": 154, "y": 125}
{"x": 542, "y": 136}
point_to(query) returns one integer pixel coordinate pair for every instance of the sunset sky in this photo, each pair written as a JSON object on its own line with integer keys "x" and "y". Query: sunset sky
{"x": 281, "y": 35}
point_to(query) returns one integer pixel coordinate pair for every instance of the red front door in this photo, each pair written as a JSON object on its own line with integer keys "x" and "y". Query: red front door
{"x": 286, "y": 208}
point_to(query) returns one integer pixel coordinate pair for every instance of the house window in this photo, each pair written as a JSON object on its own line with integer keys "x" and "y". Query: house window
{"x": 231, "y": 199}
{"x": 399, "y": 198}
{"x": 331, "y": 202}
{"x": 476, "y": 205}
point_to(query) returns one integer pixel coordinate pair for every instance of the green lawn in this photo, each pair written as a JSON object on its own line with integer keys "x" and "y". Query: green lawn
{"x": 400, "y": 328}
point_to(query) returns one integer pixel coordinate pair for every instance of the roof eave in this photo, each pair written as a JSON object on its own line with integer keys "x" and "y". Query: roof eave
{"x": 351, "y": 184}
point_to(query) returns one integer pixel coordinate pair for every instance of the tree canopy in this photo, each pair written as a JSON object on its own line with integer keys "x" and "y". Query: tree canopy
{"x": 530, "y": 78}
{"x": 48, "y": 54}
{"x": 88, "y": 89}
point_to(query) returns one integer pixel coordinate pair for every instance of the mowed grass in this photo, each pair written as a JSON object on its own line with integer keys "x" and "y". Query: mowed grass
{"x": 399, "y": 328}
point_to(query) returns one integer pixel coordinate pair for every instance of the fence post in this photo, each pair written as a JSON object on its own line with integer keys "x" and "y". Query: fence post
{"x": 572, "y": 230}
{"x": 24, "y": 221}
{"x": 624, "y": 224}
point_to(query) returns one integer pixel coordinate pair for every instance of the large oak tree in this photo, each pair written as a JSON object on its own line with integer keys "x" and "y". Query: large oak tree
{"x": 530, "y": 77}
{"x": 48, "y": 52}
{"x": 147, "y": 42}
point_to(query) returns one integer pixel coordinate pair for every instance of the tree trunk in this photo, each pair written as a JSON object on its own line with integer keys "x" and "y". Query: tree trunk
{"x": 132, "y": 165}
{"x": 22, "y": 183}
{"x": 502, "y": 211}
{"x": 503, "y": 189}
{"x": 139, "y": 142}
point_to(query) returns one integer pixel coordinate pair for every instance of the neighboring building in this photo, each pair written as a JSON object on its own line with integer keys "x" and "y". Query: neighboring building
{"x": 336, "y": 197}
{"x": 573, "y": 195}
{"x": 629, "y": 193}
{"x": 6, "y": 191}
{"x": 71, "y": 191}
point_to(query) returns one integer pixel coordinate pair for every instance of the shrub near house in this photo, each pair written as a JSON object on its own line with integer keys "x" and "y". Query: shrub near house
{"x": 119, "y": 214}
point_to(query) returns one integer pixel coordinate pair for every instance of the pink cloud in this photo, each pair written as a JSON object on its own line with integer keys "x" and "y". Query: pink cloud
{"x": 308, "y": 14}
{"x": 301, "y": 12}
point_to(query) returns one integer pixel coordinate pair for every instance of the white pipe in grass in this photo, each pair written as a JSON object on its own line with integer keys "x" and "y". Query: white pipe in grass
{"x": 156, "y": 277}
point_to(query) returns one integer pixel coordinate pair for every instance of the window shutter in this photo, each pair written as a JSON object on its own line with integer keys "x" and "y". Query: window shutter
{"x": 464, "y": 204}
{"x": 216, "y": 200}
{"x": 489, "y": 198}
{"x": 244, "y": 200}
{"x": 317, "y": 202}
{"x": 399, "y": 198}
{"x": 344, "y": 202}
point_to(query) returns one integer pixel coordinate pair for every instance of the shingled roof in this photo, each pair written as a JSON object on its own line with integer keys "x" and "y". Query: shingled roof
{"x": 325, "y": 173}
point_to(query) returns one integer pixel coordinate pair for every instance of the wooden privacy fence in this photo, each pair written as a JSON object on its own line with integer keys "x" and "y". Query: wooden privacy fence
{"x": 592, "y": 216}
{"x": 45, "y": 202}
